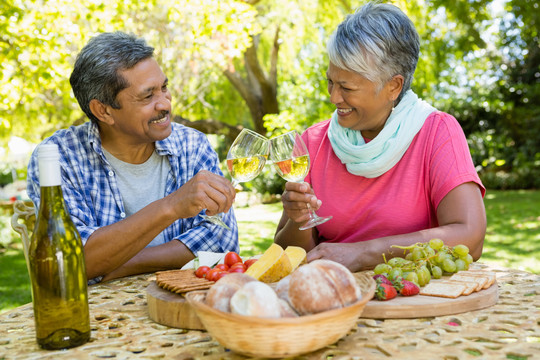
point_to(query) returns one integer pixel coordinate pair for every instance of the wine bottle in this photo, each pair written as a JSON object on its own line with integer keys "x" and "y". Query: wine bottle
{"x": 57, "y": 268}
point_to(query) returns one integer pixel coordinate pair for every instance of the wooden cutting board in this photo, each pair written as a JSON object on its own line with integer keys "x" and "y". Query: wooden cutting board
{"x": 402, "y": 307}
{"x": 171, "y": 309}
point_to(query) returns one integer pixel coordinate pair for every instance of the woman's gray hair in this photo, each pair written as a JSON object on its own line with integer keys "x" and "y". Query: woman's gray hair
{"x": 378, "y": 42}
{"x": 96, "y": 74}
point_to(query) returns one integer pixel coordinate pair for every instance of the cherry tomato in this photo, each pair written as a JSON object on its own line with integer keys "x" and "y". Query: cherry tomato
{"x": 201, "y": 271}
{"x": 223, "y": 267}
{"x": 250, "y": 262}
{"x": 236, "y": 270}
{"x": 238, "y": 265}
{"x": 232, "y": 258}
{"x": 220, "y": 275}
{"x": 212, "y": 274}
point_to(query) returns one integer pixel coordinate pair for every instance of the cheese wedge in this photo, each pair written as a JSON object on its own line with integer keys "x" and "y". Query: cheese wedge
{"x": 272, "y": 266}
{"x": 297, "y": 256}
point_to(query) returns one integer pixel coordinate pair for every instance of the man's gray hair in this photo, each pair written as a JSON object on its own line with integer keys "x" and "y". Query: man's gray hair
{"x": 96, "y": 74}
{"x": 377, "y": 42}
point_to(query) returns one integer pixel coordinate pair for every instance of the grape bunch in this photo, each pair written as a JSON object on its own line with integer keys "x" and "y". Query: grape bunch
{"x": 424, "y": 261}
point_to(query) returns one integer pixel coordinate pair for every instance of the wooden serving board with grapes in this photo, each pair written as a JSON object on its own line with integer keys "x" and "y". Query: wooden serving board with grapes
{"x": 443, "y": 281}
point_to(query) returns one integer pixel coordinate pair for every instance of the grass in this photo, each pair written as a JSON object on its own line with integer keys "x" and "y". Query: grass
{"x": 512, "y": 239}
{"x": 14, "y": 281}
{"x": 513, "y": 232}
{"x": 256, "y": 227}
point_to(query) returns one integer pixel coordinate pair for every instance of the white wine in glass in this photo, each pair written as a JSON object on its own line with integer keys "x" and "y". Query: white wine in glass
{"x": 290, "y": 157}
{"x": 245, "y": 169}
{"x": 245, "y": 160}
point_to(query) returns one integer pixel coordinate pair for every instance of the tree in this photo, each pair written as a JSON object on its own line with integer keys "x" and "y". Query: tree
{"x": 195, "y": 41}
{"x": 261, "y": 63}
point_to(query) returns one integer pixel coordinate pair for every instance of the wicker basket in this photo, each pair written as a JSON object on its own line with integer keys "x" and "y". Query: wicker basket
{"x": 284, "y": 337}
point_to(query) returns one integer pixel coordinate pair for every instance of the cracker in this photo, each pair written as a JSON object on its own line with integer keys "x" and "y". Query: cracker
{"x": 492, "y": 277}
{"x": 480, "y": 281}
{"x": 181, "y": 281}
{"x": 470, "y": 287}
{"x": 443, "y": 289}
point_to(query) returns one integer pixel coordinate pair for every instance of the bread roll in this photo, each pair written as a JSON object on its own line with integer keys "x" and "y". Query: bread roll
{"x": 286, "y": 309}
{"x": 220, "y": 293}
{"x": 282, "y": 288}
{"x": 256, "y": 299}
{"x": 322, "y": 285}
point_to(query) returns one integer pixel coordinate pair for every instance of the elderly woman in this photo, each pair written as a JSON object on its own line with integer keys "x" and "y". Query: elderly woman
{"x": 389, "y": 168}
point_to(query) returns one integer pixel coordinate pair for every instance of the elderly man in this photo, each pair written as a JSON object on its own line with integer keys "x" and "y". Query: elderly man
{"x": 135, "y": 183}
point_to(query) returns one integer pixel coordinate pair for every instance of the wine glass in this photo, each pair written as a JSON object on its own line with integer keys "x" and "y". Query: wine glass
{"x": 245, "y": 160}
{"x": 290, "y": 156}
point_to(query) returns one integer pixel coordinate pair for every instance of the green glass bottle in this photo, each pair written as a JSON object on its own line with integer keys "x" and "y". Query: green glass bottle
{"x": 57, "y": 268}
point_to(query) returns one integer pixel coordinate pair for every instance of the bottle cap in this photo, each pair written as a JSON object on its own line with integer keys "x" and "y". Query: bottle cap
{"x": 49, "y": 165}
{"x": 48, "y": 152}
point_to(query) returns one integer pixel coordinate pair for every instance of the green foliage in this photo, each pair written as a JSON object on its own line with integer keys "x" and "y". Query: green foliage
{"x": 194, "y": 41}
{"x": 268, "y": 183}
{"x": 479, "y": 62}
{"x": 6, "y": 176}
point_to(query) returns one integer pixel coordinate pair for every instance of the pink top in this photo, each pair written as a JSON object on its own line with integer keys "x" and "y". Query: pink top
{"x": 402, "y": 200}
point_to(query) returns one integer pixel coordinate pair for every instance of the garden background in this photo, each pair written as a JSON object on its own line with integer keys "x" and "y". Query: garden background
{"x": 261, "y": 64}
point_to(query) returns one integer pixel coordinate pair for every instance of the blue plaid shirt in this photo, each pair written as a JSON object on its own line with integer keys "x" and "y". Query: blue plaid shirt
{"x": 91, "y": 190}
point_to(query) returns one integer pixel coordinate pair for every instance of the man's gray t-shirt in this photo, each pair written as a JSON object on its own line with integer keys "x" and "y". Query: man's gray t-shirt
{"x": 141, "y": 184}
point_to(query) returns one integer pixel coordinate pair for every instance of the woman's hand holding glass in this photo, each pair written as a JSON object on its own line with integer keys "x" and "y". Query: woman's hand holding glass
{"x": 290, "y": 157}
{"x": 245, "y": 160}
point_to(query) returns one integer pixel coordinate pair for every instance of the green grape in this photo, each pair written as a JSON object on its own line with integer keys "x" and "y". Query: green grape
{"x": 448, "y": 265}
{"x": 461, "y": 265}
{"x": 441, "y": 256}
{"x": 436, "y": 272}
{"x": 436, "y": 244}
{"x": 468, "y": 259}
{"x": 394, "y": 273}
{"x": 461, "y": 250}
{"x": 424, "y": 276}
{"x": 408, "y": 256}
{"x": 422, "y": 279}
{"x": 429, "y": 251}
{"x": 412, "y": 276}
{"x": 396, "y": 262}
{"x": 382, "y": 268}
{"x": 407, "y": 264}
{"x": 417, "y": 254}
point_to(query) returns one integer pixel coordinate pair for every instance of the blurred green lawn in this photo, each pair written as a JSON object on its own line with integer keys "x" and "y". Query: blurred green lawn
{"x": 512, "y": 240}
{"x": 513, "y": 232}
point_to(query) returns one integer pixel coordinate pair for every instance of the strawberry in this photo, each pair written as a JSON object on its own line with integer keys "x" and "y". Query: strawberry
{"x": 382, "y": 279}
{"x": 406, "y": 287}
{"x": 409, "y": 288}
{"x": 385, "y": 291}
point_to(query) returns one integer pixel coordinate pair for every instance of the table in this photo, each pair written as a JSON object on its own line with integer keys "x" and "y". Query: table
{"x": 121, "y": 329}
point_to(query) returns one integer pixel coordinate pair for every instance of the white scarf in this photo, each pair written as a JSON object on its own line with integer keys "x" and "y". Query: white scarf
{"x": 382, "y": 153}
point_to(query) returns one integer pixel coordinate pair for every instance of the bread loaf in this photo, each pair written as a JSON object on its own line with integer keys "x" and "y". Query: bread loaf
{"x": 220, "y": 293}
{"x": 256, "y": 299}
{"x": 322, "y": 285}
